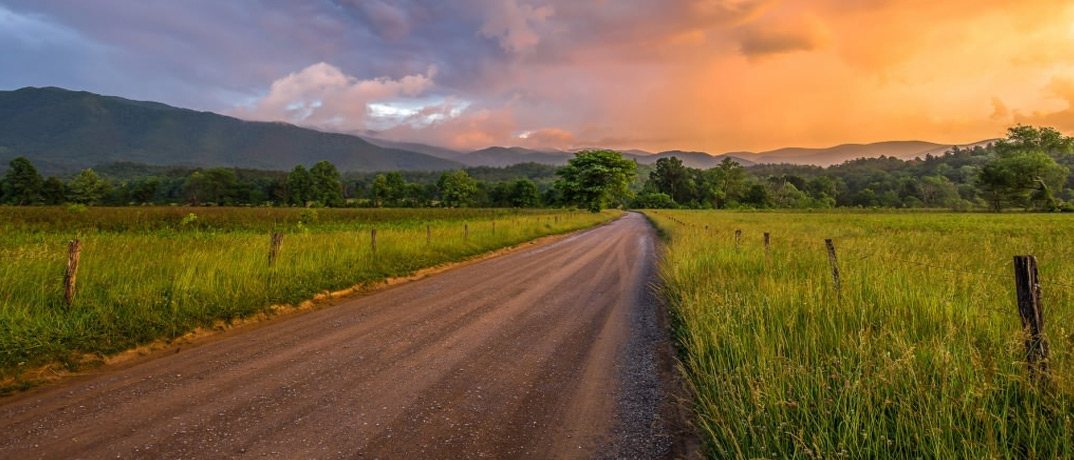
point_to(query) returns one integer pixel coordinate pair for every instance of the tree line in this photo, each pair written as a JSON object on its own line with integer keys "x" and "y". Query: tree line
{"x": 321, "y": 185}
{"x": 1028, "y": 169}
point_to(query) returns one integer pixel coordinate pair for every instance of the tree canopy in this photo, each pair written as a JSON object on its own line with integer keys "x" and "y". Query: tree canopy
{"x": 596, "y": 179}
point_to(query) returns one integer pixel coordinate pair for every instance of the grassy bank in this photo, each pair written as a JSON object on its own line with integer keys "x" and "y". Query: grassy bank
{"x": 919, "y": 355}
{"x": 152, "y": 273}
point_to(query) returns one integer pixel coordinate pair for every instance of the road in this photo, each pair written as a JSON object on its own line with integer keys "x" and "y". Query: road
{"x": 553, "y": 352}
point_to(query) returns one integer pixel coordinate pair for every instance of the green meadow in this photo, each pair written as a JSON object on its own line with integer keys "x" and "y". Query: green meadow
{"x": 157, "y": 273}
{"x": 919, "y": 354}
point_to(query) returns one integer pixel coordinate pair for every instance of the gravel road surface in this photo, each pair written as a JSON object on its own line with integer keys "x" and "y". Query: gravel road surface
{"x": 559, "y": 351}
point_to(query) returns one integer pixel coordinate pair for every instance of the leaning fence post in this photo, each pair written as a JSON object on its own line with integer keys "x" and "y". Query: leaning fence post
{"x": 834, "y": 262}
{"x": 74, "y": 253}
{"x": 274, "y": 251}
{"x": 1027, "y": 286}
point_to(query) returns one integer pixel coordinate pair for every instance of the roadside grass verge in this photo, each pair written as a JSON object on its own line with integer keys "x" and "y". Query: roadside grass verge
{"x": 157, "y": 273}
{"x": 919, "y": 355}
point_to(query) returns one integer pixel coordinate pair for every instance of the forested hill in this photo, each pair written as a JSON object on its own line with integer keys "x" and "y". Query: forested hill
{"x": 1028, "y": 169}
{"x": 64, "y": 131}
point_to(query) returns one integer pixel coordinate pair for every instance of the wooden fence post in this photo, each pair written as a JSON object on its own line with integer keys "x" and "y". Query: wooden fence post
{"x": 767, "y": 241}
{"x": 428, "y": 235}
{"x": 74, "y": 254}
{"x": 834, "y": 262}
{"x": 738, "y": 238}
{"x": 274, "y": 251}
{"x": 494, "y": 227}
{"x": 373, "y": 241}
{"x": 1027, "y": 286}
{"x": 466, "y": 232}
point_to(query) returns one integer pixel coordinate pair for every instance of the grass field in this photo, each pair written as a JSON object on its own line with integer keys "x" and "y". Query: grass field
{"x": 919, "y": 356}
{"x": 153, "y": 273}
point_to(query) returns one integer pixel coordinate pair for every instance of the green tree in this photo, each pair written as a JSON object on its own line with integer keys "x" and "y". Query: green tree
{"x": 327, "y": 185}
{"x": 1025, "y": 138}
{"x": 396, "y": 191}
{"x": 221, "y": 186}
{"x": 87, "y": 188}
{"x": 596, "y": 179}
{"x": 22, "y": 183}
{"x": 299, "y": 186}
{"x": 144, "y": 190}
{"x": 378, "y": 191}
{"x": 524, "y": 194}
{"x": 674, "y": 179}
{"x": 192, "y": 187}
{"x": 653, "y": 200}
{"x": 457, "y": 189}
{"x": 1012, "y": 178}
{"x": 1023, "y": 169}
{"x": 53, "y": 191}
{"x": 757, "y": 196}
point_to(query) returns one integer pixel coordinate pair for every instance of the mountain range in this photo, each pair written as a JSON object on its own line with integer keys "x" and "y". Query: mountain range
{"x": 63, "y": 131}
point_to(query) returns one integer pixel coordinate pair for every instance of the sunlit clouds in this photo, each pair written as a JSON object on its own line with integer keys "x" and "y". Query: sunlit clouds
{"x": 711, "y": 75}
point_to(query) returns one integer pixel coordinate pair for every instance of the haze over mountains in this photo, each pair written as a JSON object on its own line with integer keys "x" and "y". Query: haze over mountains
{"x": 63, "y": 131}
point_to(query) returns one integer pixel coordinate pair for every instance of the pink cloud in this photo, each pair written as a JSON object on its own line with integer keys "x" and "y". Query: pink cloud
{"x": 514, "y": 24}
{"x": 324, "y": 97}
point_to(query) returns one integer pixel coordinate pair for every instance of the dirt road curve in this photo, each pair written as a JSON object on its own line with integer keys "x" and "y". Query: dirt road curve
{"x": 554, "y": 352}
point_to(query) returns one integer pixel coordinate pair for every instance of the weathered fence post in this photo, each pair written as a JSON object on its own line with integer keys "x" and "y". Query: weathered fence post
{"x": 373, "y": 241}
{"x": 738, "y": 239}
{"x": 274, "y": 250}
{"x": 767, "y": 241}
{"x": 1027, "y": 286}
{"x": 494, "y": 227}
{"x": 466, "y": 232}
{"x": 74, "y": 253}
{"x": 428, "y": 235}
{"x": 834, "y": 262}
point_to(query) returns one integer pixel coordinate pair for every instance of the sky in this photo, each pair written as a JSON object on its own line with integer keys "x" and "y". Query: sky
{"x": 705, "y": 75}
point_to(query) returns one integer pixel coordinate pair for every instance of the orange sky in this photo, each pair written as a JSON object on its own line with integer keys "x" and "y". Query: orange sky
{"x": 711, "y": 75}
{"x": 819, "y": 73}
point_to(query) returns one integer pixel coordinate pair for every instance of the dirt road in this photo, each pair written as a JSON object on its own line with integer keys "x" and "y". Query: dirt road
{"x": 553, "y": 352}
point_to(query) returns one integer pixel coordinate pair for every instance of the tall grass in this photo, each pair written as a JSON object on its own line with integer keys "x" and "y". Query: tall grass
{"x": 155, "y": 273}
{"x": 919, "y": 356}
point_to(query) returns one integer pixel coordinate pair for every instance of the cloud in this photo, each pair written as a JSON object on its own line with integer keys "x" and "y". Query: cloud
{"x": 469, "y": 130}
{"x": 324, "y": 97}
{"x": 548, "y": 138}
{"x": 1000, "y": 111}
{"x": 709, "y": 75}
{"x": 514, "y": 24}
{"x": 390, "y": 20}
{"x": 1062, "y": 89}
{"x": 803, "y": 33}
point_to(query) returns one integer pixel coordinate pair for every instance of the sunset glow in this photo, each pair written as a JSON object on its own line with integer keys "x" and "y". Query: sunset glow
{"x": 704, "y": 75}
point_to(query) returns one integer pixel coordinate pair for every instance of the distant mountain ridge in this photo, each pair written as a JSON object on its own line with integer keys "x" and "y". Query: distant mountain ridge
{"x": 904, "y": 150}
{"x": 61, "y": 130}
